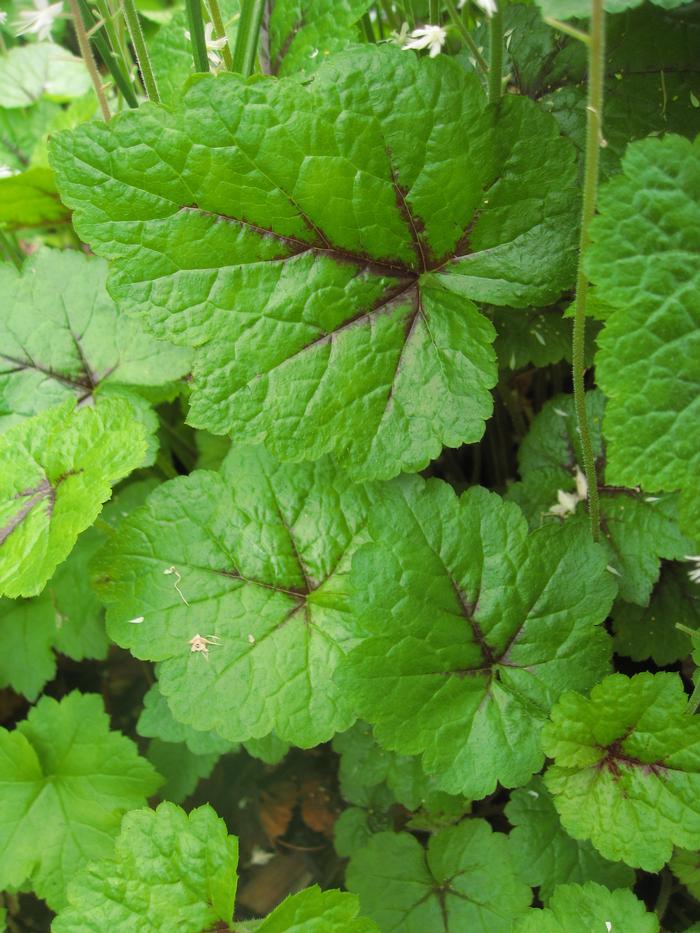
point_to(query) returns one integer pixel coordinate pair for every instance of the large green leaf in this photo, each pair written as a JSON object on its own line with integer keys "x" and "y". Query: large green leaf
{"x": 56, "y": 470}
{"x": 61, "y": 336}
{"x": 66, "y": 781}
{"x": 590, "y": 908}
{"x": 42, "y": 69}
{"x": 322, "y": 247}
{"x": 638, "y": 530}
{"x": 545, "y": 855}
{"x": 255, "y": 559}
{"x": 646, "y": 255}
{"x": 626, "y": 773}
{"x": 474, "y": 629}
{"x": 170, "y": 871}
{"x": 463, "y": 882}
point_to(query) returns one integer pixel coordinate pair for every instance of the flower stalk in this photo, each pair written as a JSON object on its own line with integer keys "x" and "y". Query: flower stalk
{"x": 247, "y": 38}
{"x": 496, "y": 56}
{"x": 196, "y": 31}
{"x": 466, "y": 36}
{"x": 220, "y": 33}
{"x": 89, "y": 59}
{"x": 594, "y": 124}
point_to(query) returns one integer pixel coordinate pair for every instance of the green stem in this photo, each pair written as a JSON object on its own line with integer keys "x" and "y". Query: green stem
{"x": 594, "y": 114}
{"x": 133, "y": 24}
{"x": 466, "y": 36}
{"x": 247, "y": 38}
{"x": 665, "y": 889}
{"x": 9, "y": 246}
{"x": 367, "y": 28}
{"x": 568, "y": 30}
{"x": 434, "y": 12}
{"x": 196, "y": 24}
{"x": 392, "y": 17}
{"x": 694, "y": 700}
{"x": 107, "y": 55}
{"x": 410, "y": 13}
{"x": 220, "y": 32}
{"x": 496, "y": 57}
{"x": 88, "y": 58}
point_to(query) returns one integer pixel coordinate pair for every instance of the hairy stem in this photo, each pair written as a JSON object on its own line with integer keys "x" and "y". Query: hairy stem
{"x": 133, "y": 24}
{"x": 220, "y": 32}
{"x": 196, "y": 24}
{"x": 247, "y": 38}
{"x": 496, "y": 49}
{"x": 110, "y": 58}
{"x": 88, "y": 58}
{"x": 594, "y": 122}
{"x": 466, "y": 36}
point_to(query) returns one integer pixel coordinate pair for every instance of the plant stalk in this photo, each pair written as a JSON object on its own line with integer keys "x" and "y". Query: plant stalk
{"x": 434, "y": 12}
{"x": 220, "y": 32}
{"x": 109, "y": 58}
{"x": 247, "y": 38}
{"x": 196, "y": 24}
{"x": 496, "y": 56}
{"x": 133, "y": 24}
{"x": 466, "y": 36}
{"x": 594, "y": 123}
{"x": 88, "y": 58}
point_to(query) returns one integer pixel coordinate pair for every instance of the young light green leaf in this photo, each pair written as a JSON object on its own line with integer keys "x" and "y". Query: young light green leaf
{"x": 590, "y": 908}
{"x": 66, "y": 781}
{"x": 544, "y": 855}
{"x": 474, "y": 630}
{"x": 316, "y": 911}
{"x": 638, "y": 530}
{"x": 302, "y": 33}
{"x": 626, "y": 773}
{"x": 464, "y": 881}
{"x": 325, "y": 260}
{"x": 650, "y": 631}
{"x": 41, "y": 69}
{"x": 56, "y": 470}
{"x": 170, "y": 871}
{"x": 239, "y": 580}
{"x": 61, "y": 336}
{"x": 646, "y": 255}
{"x": 29, "y": 199}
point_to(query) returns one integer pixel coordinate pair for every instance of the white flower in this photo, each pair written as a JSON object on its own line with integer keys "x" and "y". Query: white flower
{"x": 694, "y": 574}
{"x": 488, "y": 6}
{"x": 213, "y": 45}
{"x": 7, "y": 172}
{"x": 427, "y": 37}
{"x": 565, "y": 505}
{"x": 3, "y": 17}
{"x": 39, "y": 20}
{"x": 567, "y": 501}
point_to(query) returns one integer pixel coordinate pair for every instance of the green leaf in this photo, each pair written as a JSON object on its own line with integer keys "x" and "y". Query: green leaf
{"x": 646, "y": 255}
{"x": 627, "y": 768}
{"x": 638, "y": 530}
{"x": 355, "y": 826}
{"x": 579, "y": 9}
{"x": 316, "y": 911}
{"x": 41, "y": 69}
{"x": 56, "y": 470}
{"x": 650, "y": 631}
{"x": 157, "y": 722}
{"x": 21, "y": 130}
{"x": 181, "y": 769}
{"x": 303, "y": 33}
{"x": 364, "y": 764}
{"x": 474, "y": 630}
{"x": 27, "y": 633}
{"x": 66, "y": 781}
{"x": 544, "y": 855}
{"x": 464, "y": 881}
{"x": 328, "y": 285}
{"x": 538, "y": 336}
{"x": 29, "y": 199}
{"x": 61, "y": 336}
{"x": 685, "y": 866}
{"x": 255, "y": 559}
{"x": 590, "y": 908}
{"x": 170, "y": 871}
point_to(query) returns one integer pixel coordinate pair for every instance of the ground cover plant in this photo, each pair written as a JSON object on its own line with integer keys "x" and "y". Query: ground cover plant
{"x": 349, "y": 466}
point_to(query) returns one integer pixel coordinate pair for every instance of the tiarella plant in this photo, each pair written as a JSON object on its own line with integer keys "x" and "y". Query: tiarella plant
{"x": 349, "y": 466}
